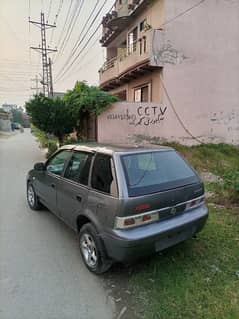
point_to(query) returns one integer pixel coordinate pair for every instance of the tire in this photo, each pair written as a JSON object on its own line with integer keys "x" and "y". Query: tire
{"x": 32, "y": 198}
{"x": 92, "y": 250}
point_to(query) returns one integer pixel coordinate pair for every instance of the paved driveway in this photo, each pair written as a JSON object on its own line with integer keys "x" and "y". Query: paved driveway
{"x": 41, "y": 272}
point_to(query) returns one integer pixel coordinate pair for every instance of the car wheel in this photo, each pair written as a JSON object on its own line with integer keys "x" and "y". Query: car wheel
{"x": 92, "y": 250}
{"x": 32, "y": 198}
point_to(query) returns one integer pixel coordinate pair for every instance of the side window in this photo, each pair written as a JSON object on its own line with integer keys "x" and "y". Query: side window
{"x": 103, "y": 175}
{"x": 78, "y": 167}
{"x": 57, "y": 163}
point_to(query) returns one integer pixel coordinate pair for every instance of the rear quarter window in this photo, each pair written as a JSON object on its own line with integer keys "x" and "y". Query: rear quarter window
{"x": 151, "y": 172}
{"x": 103, "y": 177}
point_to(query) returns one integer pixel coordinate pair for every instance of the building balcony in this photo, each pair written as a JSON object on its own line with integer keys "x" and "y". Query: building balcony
{"x": 120, "y": 17}
{"x": 139, "y": 58}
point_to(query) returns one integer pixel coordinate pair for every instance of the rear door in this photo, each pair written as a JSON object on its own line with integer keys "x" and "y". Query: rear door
{"x": 103, "y": 196}
{"x": 159, "y": 180}
{"x": 72, "y": 191}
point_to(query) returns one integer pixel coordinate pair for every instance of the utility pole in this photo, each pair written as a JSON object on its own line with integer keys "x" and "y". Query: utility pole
{"x": 50, "y": 80}
{"x": 46, "y": 81}
{"x": 36, "y": 88}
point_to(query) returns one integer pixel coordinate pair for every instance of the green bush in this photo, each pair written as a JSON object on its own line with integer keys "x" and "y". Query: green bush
{"x": 46, "y": 141}
{"x": 231, "y": 185}
{"x": 231, "y": 180}
{"x": 72, "y": 140}
{"x": 52, "y": 147}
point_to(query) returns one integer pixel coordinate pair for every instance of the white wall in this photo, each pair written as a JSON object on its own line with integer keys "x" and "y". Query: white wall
{"x": 201, "y": 75}
{"x": 204, "y": 83}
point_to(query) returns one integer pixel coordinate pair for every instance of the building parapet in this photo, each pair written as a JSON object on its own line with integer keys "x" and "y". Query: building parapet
{"x": 131, "y": 61}
{"x": 122, "y": 14}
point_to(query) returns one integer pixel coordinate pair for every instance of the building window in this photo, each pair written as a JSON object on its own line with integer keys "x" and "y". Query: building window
{"x": 132, "y": 40}
{"x": 144, "y": 44}
{"x": 122, "y": 95}
{"x": 141, "y": 94}
{"x": 140, "y": 46}
{"x": 142, "y": 25}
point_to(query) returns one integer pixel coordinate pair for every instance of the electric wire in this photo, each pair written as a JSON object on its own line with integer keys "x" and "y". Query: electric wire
{"x": 177, "y": 115}
{"x": 78, "y": 55}
{"x": 56, "y": 18}
{"x": 73, "y": 15}
{"x": 82, "y": 59}
{"x": 67, "y": 38}
{"x": 88, "y": 19}
{"x": 81, "y": 41}
{"x": 184, "y": 12}
{"x": 73, "y": 25}
{"x": 63, "y": 28}
{"x": 49, "y": 11}
{"x": 65, "y": 69}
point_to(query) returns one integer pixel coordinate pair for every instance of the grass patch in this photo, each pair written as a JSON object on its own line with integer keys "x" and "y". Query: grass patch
{"x": 221, "y": 160}
{"x": 196, "y": 279}
{"x": 200, "y": 277}
{"x": 46, "y": 141}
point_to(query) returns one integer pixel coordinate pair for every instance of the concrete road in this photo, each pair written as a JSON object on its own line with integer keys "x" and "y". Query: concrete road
{"x": 42, "y": 275}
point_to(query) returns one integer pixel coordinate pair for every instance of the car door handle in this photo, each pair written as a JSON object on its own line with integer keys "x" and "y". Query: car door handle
{"x": 53, "y": 185}
{"x": 78, "y": 197}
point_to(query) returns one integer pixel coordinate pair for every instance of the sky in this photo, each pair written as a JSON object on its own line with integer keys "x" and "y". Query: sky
{"x": 19, "y": 64}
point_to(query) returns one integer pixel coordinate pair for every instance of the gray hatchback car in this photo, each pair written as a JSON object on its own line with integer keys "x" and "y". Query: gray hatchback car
{"x": 125, "y": 202}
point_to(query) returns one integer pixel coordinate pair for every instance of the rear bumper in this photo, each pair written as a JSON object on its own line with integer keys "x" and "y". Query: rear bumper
{"x": 130, "y": 244}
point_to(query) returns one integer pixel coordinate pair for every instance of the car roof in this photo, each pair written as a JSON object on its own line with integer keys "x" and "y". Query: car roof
{"x": 113, "y": 148}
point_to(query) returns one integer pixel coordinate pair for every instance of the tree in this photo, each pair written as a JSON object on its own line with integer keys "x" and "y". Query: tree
{"x": 84, "y": 101}
{"x": 51, "y": 116}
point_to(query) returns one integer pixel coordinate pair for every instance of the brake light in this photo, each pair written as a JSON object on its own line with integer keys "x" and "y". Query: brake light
{"x": 142, "y": 207}
{"x": 129, "y": 222}
{"x": 194, "y": 203}
{"x": 153, "y": 216}
{"x": 137, "y": 220}
{"x": 146, "y": 218}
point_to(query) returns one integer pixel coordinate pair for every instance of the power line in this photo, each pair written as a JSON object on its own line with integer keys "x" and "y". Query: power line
{"x": 73, "y": 14}
{"x": 90, "y": 16}
{"x": 37, "y": 81}
{"x": 56, "y": 18}
{"x": 78, "y": 55}
{"x": 71, "y": 26}
{"x": 62, "y": 71}
{"x": 49, "y": 11}
{"x": 77, "y": 45}
{"x": 89, "y": 61}
{"x": 64, "y": 26}
{"x": 184, "y": 12}
{"x": 177, "y": 115}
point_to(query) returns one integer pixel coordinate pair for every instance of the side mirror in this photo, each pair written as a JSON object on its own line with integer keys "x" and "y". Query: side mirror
{"x": 39, "y": 167}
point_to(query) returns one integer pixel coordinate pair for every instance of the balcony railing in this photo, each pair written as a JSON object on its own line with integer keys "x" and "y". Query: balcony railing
{"x": 137, "y": 53}
{"x": 119, "y": 18}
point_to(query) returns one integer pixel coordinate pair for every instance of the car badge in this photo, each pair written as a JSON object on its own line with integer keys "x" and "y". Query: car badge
{"x": 173, "y": 211}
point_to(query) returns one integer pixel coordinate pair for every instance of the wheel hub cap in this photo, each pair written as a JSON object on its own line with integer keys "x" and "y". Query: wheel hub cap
{"x": 30, "y": 194}
{"x": 88, "y": 249}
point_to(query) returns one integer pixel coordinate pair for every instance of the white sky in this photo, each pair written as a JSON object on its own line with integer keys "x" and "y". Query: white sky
{"x": 19, "y": 64}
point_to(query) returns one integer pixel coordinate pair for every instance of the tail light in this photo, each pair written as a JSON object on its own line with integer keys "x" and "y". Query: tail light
{"x": 153, "y": 216}
{"x": 137, "y": 220}
{"x": 195, "y": 202}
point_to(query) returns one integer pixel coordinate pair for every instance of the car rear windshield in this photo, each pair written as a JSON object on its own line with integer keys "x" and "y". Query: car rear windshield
{"x": 156, "y": 171}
